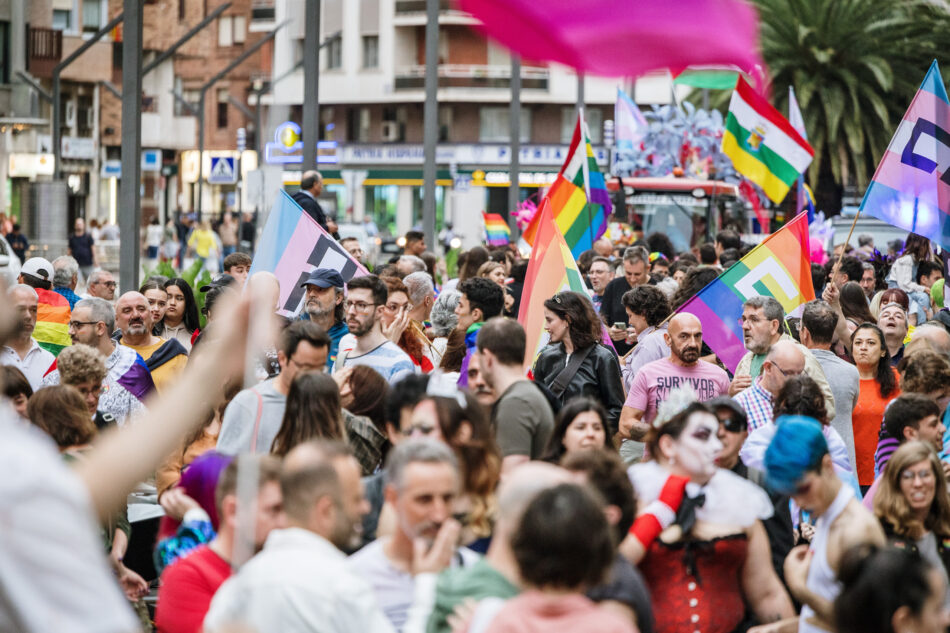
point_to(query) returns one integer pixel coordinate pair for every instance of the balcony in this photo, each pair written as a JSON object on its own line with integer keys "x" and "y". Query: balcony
{"x": 472, "y": 76}
{"x": 44, "y": 51}
{"x": 413, "y": 13}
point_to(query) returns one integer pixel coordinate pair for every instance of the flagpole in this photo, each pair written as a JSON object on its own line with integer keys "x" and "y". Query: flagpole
{"x": 582, "y": 126}
{"x": 834, "y": 271}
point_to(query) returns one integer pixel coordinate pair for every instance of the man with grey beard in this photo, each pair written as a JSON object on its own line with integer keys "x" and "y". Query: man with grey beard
{"x": 324, "y": 306}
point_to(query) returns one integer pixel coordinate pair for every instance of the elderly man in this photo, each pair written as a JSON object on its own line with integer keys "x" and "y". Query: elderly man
{"x": 324, "y": 306}
{"x": 763, "y": 325}
{"x": 930, "y": 336}
{"x": 22, "y": 351}
{"x": 65, "y": 278}
{"x": 408, "y": 264}
{"x": 129, "y": 381}
{"x": 100, "y": 283}
{"x": 422, "y": 485}
{"x": 421, "y": 299}
{"x": 165, "y": 359}
{"x": 784, "y": 359}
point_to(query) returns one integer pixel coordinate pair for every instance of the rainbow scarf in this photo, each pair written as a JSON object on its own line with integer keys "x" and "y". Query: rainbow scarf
{"x": 52, "y": 321}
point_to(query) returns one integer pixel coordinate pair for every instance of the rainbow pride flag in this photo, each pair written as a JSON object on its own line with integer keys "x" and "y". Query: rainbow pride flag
{"x": 911, "y": 186}
{"x": 52, "y": 321}
{"x": 551, "y": 269}
{"x": 580, "y": 203}
{"x": 292, "y": 244}
{"x": 778, "y": 267}
{"x": 497, "y": 232}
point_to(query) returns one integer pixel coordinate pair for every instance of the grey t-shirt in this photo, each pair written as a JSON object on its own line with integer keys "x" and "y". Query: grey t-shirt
{"x": 523, "y": 420}
{"x": 241, "y": 415}
{"x": 845, "y": 386}
{"x": 927, "y": 547}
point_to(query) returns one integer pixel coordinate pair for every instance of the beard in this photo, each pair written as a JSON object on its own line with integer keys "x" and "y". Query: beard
{"x": 688, "y": 355}
{"x": 317, "y": 312}
{"x": 362, "y": 327}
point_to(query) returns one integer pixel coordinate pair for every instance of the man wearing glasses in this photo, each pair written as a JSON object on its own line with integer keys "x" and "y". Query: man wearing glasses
{"x": 763, "y": 325}
{"x": 783, "y": 361}
{"x": 101, "y": 284}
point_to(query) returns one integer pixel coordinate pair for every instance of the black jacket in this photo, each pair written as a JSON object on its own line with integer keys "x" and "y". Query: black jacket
{"x": 612, "y": 310}
{"x": 597, "y": 377}
{"x": 312, "y": 207}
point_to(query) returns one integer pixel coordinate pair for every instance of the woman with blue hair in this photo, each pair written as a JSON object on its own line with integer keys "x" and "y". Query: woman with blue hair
{"x": 798, "y": 463}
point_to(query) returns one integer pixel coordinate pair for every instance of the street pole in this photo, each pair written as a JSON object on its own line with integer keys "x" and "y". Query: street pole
{"x": 130, "y": 219}
{"x": 514, "y": 126}
{"x": 311, "y": 84}
{"x": 57, "y": 93}
{"x": 430, "y": 116}
{"x": 580, "y": 94}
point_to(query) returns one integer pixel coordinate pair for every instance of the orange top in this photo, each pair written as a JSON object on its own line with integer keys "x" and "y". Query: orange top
{"x": 866, "y": 421}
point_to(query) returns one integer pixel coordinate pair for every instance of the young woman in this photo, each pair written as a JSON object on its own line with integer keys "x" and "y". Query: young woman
{"x": 575, "y": 332}
{"x": 913, "y": 506}
{"x": 154, "y": 291}
{"x": 313, "y": 412}
{"x": 498, "y": 272}
{"x": 396, "y": 324}
{"x": 717, "y": 564}
{"x": 878, "y": 387}
{"x": 181, "y": 313}
{"x": 903, "y": 275}
{"x": 580, "y": 425}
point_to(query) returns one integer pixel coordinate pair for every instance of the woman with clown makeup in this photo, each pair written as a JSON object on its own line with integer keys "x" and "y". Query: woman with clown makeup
{"x": 698, "y": 538}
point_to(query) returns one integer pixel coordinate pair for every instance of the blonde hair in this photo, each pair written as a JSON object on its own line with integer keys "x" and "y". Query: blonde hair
{"x": 890, "y": 504}
{"x": 488, "y": 268}
{"x": 81, "y": 363}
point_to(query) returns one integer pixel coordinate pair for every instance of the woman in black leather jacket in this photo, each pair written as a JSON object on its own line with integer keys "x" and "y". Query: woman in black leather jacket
{"x": 575, "y": 330}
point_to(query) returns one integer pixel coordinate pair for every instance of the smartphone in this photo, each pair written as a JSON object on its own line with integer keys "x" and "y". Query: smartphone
{"x": 620, "y": 325}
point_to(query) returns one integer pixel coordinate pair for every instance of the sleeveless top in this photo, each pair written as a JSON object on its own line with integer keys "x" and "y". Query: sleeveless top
{"x": 822, "y": 580}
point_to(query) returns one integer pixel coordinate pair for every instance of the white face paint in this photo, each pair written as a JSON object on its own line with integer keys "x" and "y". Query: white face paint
{"x": 696, "y": 448}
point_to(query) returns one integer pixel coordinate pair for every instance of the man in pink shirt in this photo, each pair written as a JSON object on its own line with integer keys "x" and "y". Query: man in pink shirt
{"x": 654, "y": 382}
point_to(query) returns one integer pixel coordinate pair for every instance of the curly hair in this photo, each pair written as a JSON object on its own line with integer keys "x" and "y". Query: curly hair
{"x": 891, "y": 505}
{"x": 648, "y": 301}
{"x": 78, "y": 364}
{"x": 801, "y": 396}
{"x": 924, "y": 371}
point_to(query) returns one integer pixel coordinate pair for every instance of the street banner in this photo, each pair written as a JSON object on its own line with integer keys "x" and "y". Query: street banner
{"x": 763, "y": 145}
{"x": 292, "y": 245}
{"x": 579, "y": 199}
{"x": 778, "y": 267}
{"x": 911, "y": 187}
{"x": 551, "y": 269}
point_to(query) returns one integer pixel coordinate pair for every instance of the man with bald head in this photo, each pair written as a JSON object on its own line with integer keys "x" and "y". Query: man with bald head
{"x": 166, "y": 359}
{"x": 930, "y": 336}
{"x": 783, "y": 361}
{"x": 654, "y": 382}
{"x": 22, "y": 351}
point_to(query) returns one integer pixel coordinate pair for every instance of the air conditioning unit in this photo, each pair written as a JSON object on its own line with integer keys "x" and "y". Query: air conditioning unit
{"x": 69, "y": 115}
{"x": 390, "y": 131}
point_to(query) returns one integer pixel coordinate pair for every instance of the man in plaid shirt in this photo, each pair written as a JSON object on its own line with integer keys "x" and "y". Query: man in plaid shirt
{"x": 783, "y": 361}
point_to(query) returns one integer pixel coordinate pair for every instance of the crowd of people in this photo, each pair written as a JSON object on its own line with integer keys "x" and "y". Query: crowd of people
{"x": 387, "y": 460}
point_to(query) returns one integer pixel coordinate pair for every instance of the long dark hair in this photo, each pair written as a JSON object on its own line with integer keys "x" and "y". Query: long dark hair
{"x": 190, "y": 313}
{"x": 854, "y": 303}
{"x": 370, "y": 391}
{"x": 574, "y": 407}
{"x": 313, "y": 412}
{"x": 885, "y": 373}
{"x": 578, "y": 311}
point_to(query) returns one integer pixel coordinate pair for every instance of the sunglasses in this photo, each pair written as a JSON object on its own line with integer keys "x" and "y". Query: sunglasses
{"x": 734, "y": 425}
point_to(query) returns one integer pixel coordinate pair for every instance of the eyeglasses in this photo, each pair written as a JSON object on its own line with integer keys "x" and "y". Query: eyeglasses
{"x": 924, "y": 475}
{"x": 787, "y": 374}
{"x": 359, "y": 306}
{"x": 107, "y": 284}
{"x": 396, "y": 307}
{"x": 733, "y": 425}
{"x": 75, "y": 325}
{"x": 752, "y": 320}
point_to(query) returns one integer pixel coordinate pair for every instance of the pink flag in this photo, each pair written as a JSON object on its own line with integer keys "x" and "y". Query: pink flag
{"x": 623, "y": 38}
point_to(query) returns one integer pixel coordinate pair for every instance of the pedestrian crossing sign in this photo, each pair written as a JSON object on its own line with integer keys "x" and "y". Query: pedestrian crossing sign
{"x": 222, "y": 171}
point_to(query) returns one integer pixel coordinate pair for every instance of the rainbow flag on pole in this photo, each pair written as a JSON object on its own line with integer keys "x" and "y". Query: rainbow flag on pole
{"x": 763, "y": 145}
{"x": 497, "y": 232}
{"x": 911, "y": 186}
{"x": 551, "y": 269}
{"x": 580, "y": 203}
{"x": 778, "y": 267}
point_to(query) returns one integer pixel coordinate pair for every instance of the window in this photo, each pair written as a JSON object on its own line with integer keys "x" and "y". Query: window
{"x": 91, "y": 16}
{"x": 190, "y": 96}
{"x": 225, "y": 31}
{"x": 357, "y": 124}
{"x": 335, "y": 53}
{"x": 181, "y": 10}
{"x": 63, "y": 20}
{"x": 595, "y": 124}
{"x": 240, "y": 29}
{"x": 4, "y": 52}
{"x": 370, "y": 51}
{"x": 445, "y": 122}
{"x": 493, "y": 125}
{"x": 222, "y": 108}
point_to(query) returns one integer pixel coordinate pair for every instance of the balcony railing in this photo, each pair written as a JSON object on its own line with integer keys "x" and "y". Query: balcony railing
{"x": 472, "y": 76}
{"x": 44, "y": 51}
{"x": 419, "y": 6}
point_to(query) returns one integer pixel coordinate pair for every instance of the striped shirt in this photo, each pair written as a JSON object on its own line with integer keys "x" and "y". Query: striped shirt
{"x": 387, "y": 358}
{"x": 757, "y": 403}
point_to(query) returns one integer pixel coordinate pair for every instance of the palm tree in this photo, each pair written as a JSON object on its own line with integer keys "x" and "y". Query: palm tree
{"x": 855, "y": 65}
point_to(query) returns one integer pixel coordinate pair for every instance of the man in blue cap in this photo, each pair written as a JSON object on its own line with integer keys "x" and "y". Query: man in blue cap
{"x": 323, "y": 304}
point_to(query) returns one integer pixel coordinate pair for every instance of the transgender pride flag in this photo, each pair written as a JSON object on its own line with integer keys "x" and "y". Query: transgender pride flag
{"x": 911, "y": 187}
{"x": 292, "y": 245}
{"x": 778, "y": 267}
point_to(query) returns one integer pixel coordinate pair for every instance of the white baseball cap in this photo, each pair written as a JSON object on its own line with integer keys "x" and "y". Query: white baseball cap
{"x": 38, "y": 267}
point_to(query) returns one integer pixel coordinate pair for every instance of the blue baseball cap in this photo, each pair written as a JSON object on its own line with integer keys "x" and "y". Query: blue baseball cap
{"x": 324, "y": 278}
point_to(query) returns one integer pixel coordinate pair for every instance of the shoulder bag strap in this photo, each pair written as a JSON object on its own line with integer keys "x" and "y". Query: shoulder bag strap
{"x": 563, "y": 379}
